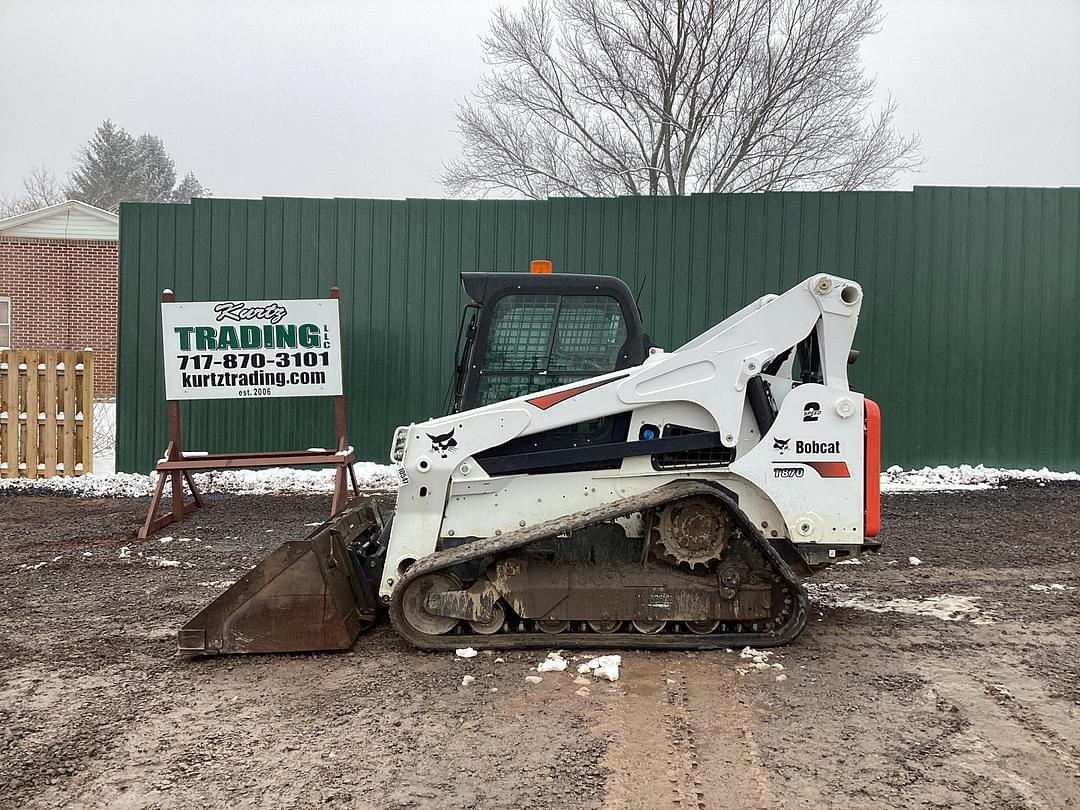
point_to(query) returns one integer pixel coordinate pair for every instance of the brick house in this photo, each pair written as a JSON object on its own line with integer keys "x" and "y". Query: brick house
{"x": 58, "y": 270}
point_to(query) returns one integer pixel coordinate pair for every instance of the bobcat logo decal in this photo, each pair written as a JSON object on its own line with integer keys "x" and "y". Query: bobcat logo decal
{"x": 780, "y": 445}
{"x": 443, "y": 444}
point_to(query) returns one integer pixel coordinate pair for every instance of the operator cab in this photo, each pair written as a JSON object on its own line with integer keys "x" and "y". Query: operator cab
{"x": 526, "y": 332}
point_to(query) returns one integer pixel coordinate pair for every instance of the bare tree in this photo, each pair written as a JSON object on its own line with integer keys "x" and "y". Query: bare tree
{"x": 606, "y": 97}
{"x": 40, "y": 189}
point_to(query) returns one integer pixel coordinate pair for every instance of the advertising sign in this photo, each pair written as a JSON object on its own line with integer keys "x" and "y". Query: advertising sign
{"x": 251, "y": 349}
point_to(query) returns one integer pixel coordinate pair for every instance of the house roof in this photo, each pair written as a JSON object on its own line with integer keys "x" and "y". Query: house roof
{"x": 67, "y": 220}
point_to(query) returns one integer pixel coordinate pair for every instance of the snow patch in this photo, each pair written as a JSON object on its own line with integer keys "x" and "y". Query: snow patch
{"x": 965, "y": 477}
{"x": 271, "y": 481}
{"x": 553, "y": 663}
{"x": 104, "y": 483}
{"x": 759, "y": 660}
{"x": 914, "y": 561}
{"x": 947, "y": 607}
{"x": 605, "y": 666}
{"x": 465, "y": 652}
{"x": 1053, "y": 587}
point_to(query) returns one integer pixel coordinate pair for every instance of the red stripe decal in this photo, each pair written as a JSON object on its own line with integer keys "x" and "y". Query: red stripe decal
{"x": 830, "y": 469}
{"x": 548, "y": 400}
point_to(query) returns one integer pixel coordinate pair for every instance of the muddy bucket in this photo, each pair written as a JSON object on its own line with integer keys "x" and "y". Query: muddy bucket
{"x": 307, "y": 595}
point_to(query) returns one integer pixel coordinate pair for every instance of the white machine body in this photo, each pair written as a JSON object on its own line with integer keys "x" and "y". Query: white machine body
{"x": 802, "y": 481}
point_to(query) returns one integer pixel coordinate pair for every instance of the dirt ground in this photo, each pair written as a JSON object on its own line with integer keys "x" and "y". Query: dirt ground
{"x": 874, "y": 709}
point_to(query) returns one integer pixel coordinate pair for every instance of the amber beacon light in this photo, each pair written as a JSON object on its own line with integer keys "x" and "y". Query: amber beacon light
{"x": 540, "y": 266}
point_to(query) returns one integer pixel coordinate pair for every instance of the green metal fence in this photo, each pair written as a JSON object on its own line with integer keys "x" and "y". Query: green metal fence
{"x": 969, "y": 331}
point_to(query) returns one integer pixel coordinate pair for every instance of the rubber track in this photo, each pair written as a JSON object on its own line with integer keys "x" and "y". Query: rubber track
{"x": 500, "y": 545}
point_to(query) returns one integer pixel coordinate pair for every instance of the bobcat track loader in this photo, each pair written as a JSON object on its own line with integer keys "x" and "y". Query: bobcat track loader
{"x": 588, "y": 489}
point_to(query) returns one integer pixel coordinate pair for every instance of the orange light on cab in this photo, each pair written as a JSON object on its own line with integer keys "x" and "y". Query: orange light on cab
{"x": 540, "y": 266}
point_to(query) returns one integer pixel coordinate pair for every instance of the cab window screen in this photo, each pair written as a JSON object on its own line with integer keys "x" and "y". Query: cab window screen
{"x": 520, "y": 334}
{"x": 590, "y": 333}
{"x": 537, "y": 342}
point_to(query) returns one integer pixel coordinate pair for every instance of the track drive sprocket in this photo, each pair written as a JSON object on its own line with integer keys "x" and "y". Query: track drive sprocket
{"x": 692, "y": 532}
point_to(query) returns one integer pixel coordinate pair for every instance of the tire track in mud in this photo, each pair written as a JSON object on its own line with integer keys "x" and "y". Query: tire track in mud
{"x": 681, "y": 739}
{"x": 683, "y": 766}
{"x": 1010, "y": 730}
{"x": 1028, "y": 719}
{"x": 731, "y": 768}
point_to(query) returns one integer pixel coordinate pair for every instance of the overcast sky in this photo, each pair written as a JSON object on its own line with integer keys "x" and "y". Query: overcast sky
{"x": 356, "y": 98}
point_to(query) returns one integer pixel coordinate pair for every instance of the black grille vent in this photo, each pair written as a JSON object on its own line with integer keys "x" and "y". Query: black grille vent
{"x": 715, "y": 456}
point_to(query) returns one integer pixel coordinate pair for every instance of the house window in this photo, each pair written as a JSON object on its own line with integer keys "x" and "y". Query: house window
{"x": 5, "y": 322}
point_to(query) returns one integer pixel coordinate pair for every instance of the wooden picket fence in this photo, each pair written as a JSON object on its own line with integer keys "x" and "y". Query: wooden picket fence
{"x": 46, "y": 413}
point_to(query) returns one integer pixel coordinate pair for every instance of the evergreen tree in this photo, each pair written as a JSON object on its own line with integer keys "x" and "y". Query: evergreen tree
{"x": 189, "y": 188}
{"x": 115, "y": 167}
{"x": 103, "y": 167}
{"x": 155, "y": 172}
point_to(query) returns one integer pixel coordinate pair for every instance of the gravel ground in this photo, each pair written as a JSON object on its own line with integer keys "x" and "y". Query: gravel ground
{"x": 871, "y": 709}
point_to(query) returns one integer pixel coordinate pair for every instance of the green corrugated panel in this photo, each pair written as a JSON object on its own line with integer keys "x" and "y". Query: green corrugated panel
{"x": 968, "y": 330}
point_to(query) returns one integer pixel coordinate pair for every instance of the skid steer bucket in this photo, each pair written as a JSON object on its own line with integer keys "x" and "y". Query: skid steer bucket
{"x": 307, "y": 595}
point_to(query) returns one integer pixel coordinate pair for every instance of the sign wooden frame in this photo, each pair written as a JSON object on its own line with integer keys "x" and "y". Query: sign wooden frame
{"x": 177, "y": 467}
